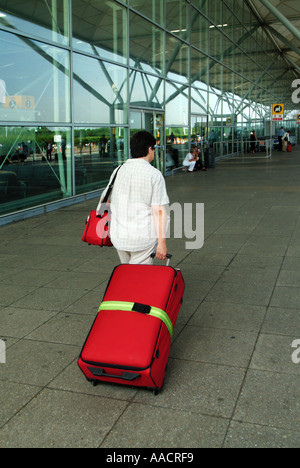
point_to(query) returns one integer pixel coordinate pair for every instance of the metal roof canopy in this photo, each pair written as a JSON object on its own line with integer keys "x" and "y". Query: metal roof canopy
{"x": 281, "y": 21}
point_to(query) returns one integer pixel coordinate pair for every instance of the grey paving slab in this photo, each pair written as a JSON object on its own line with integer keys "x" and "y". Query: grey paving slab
{"x": 241, "y": 293}
{"x": 8, "y": 272}
{"x": 253, "y": 436}
{"x": 266, "y": 245}
{"x": 202, "y": 258}
{"x": 293, "y": 251}
{"x": 20, "y": 322}
{"x": 289, "y": 278}
{"x": 29, "y": 277}
{"x": 256, "y": 261}
{"x": 253, "y": 277}
{"x": 229, "y": 316}
{"x": 282, "y": 321}
{"x": 215, "y": 346}
{"x": 286, "y": 297}
{"x": 57, "y": 419}
{"x": 59, "y": 263}
{"x": 47, "y": 298}
{"x": 36, "y": 362}
{"x": 64, "y": 328}
{"x": 202, "y": 272}
{"x": 87, "y": 304}
{"x": 269, "y": 399}
{"x": 219, "y": 243}
{"x": 168, "y": 428}
{"x": 13, "y": 397}
{"x": 197, "y": 387}
{"x": 274, "y": 353}
{"x": 78, "y": 280}
{"x": 10, "y": 293}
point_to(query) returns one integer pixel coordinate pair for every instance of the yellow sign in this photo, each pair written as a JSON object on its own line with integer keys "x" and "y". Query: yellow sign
{"x": 277, "y": 111}
{"x": 19, "y": 102}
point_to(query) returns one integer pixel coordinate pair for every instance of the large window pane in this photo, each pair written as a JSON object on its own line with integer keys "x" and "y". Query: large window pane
{"x": 47, "y": 20}
{"x": 153, "y": 9}
{"x": 146, "y": 90}
{"x": 177, "y": 59}
{"x": 97, "y": 152}
{"x": 198, "y": 101}
{"x": 36, "y": 81}
{"x": 215, "y": 8}
{"x": 200, "y": 31}
{"x": 35, "y": 166}
{"x": 202, "y": 5}
{"x": 177, "y": 138}
{"x": 216, "y": 77}
{"x": 100, "y": 91}
{"x": 177, "y": 15}
{"x": 177, "y": 104}
{"x": 177, "y": 133}
{"x": 146, "y": 47}
{"x": 100, "y": 28}
{"x": 199, "y": 69}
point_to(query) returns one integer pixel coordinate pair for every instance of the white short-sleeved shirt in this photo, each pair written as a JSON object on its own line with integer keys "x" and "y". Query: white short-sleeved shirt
{"x": 138, "y": 187}
{"x": 188, "y": 160}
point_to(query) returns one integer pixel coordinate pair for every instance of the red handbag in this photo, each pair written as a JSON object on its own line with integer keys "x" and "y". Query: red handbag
{"x": 96, "y": 231}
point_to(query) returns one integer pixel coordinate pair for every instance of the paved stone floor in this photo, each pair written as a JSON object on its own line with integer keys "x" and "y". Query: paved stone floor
{"x": 231, "y": 381}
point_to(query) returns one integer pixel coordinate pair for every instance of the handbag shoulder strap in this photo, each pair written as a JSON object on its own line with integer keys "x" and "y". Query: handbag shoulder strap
{"x": 111, "y": 186}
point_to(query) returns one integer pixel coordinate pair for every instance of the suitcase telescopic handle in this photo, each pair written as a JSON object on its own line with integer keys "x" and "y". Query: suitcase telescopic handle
{"x": 169, "y": 256}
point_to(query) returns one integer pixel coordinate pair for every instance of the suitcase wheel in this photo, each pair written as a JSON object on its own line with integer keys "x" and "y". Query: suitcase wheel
{"x": 156, "y": 391}
{"x": 93, "y": 382}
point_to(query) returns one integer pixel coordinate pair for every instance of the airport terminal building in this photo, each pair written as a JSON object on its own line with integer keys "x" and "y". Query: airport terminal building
{"x": 79, "y": 77}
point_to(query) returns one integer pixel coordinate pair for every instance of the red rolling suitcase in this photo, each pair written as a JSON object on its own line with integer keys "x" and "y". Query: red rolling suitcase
{"x": 129, "y": 342}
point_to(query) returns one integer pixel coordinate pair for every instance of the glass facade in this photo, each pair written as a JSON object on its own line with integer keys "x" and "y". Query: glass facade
{"x": 78, "y": 78}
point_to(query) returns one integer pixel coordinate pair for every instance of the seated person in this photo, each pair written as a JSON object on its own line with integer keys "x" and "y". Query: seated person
{"x": 190, "y": 160}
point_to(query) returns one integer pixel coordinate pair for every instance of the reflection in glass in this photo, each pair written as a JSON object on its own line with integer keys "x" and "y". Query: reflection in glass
{"x": 146, "y": 90}
{"x": 177, "y": 104}
{"x": 36, "y": 81}
{"x": 100, "y": 29}
{"x": 35, "y": 166}
{"x": 146, "y": 46}
{"x": 153, "y": 9}
{"x": 98, "y": 151}
{"x": 177, "y": 59}
{"x": 199, "y": 69}
{"x": 198, "y": 101}
{"x": 177, "y": 138}
{"x": 177, "y": 15}
{"x": 47, "y": 20}
{"x": 100, "y": 90}
{"x": 200, "y": 31}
